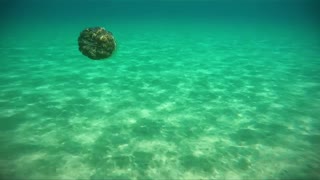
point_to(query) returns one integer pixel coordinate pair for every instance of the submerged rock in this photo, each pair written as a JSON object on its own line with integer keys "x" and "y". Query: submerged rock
{"x": 96, "y": 43}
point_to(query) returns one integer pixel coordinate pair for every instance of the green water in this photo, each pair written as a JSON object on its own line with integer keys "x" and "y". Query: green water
{"x": 176, "y": 101}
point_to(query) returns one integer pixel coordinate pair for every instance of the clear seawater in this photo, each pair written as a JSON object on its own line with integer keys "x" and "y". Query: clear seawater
{"x": 188, "y": 94}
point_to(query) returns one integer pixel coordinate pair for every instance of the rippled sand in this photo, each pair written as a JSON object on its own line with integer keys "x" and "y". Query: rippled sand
{"x": 172, "y": 103}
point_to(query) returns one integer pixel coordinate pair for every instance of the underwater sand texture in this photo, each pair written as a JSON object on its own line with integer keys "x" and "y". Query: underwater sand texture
{"x": 168, "y": 105}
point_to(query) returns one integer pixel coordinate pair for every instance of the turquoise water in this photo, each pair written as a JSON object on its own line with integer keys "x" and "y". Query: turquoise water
{"x": 182, "y": 98}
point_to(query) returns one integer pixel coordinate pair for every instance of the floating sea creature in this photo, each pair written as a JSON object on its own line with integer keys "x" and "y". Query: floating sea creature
{"x": 96, "y": 43}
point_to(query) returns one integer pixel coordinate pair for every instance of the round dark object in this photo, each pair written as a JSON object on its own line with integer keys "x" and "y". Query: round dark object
{"x": 96, "y": 43}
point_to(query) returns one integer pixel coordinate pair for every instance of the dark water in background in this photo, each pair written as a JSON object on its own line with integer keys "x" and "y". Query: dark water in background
{"x": 72, "y": 10}
{"x": 196, "y": 90}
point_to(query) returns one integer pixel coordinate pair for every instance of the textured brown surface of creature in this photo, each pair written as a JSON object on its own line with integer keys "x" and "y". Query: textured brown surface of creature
{"x": 96, "y": 43}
